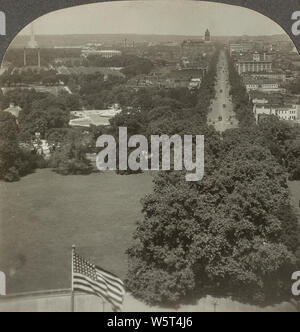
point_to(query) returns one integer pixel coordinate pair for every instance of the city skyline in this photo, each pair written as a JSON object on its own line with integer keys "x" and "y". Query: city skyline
{"x": 179, "y": 17}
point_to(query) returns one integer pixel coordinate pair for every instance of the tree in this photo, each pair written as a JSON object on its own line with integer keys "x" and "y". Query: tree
{"x": 8, "y": 127}
{"x": 4, "y": 101}
{"x": 42, "y": 115}
{"x": 242, "y": 106}
{"x": 70, "y": 157}
{"x": 8, "y": 147}
{"x": 293, "y": 160}
{"x": 222, "y": 234}
{"x": 14, "y": 162}
{"x": 226, "y": 234}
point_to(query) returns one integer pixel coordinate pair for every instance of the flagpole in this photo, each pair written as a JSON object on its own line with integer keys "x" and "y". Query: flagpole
{"x": 72, "y": 281}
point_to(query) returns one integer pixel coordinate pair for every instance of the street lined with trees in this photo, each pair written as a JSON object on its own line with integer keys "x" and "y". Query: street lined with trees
{"x": 233, "y": 233}
{"x": 226, "y": 235}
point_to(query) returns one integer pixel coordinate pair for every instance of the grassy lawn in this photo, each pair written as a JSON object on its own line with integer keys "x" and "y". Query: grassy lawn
{"x": 44, "y": 214}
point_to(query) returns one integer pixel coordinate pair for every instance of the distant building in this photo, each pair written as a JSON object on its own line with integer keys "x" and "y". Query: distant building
{"x": 192, "y": 49}
{"x": 285, "y": 113}
{"x": 282, "y": 46}
{"x": 103, "y": 53}
{"x": 260, "y": 101}
{"x": 265, "y": 86}
{"x": 195, "y": 83}
{"x": 195, "y": 48}
{"x": 279, "y": 76}
{"x": 289, "y": 113}
{"x": 207, "y": 37}
{"x": 183, "y": 78}
{"x": 278, "y": 99}
{"x": 13, "y": 110}
{"x": 173, "y": 83}
{"x": 260, "y": 110}
{"x": 81, "y": 70}
{"x": 86, "y": 118}
{"x": 240, "y": 48}
{"x": 193, "y": 65}
{"x": 88, "y": 121}
{"x": 258, "y": 63}
{"x": 55, "y": 90}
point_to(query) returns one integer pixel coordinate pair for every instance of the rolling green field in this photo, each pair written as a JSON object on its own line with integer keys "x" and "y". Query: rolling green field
{"x": 42, "y": 215}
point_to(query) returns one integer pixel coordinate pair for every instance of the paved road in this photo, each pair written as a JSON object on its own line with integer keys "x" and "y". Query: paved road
{"x": 222, "y": 115}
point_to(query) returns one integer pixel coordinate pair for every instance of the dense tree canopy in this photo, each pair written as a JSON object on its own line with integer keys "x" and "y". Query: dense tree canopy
{"x": 69, "y": 157}
{"x": 132, "y": 65}
{"x": 14, "y": 162}
{"x": 233, "y": 233}
{"x": 240, "y": 98}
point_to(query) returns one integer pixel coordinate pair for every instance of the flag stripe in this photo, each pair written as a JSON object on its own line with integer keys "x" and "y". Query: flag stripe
{"x": 88, "y": 289}
{"x": 112, "y": 290}
{"x": 116, "y": 288}
{"x": 91, "y": 279}
{"x": 84, "y": 284}
{"x": 110, "y": 276}
{"x": 80, "y": 278}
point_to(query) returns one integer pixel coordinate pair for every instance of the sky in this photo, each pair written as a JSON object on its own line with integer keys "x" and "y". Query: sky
{"x": 168, "y": 17}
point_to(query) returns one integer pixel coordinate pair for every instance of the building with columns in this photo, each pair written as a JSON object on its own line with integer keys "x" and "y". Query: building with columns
{"x": 258, "y": 63}
{"x": 284, "y": 113}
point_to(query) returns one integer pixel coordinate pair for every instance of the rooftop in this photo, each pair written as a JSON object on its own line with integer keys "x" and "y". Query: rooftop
{"x": 248, "y": 80}
{"x": 14, "y": 110}
{"x": 90, "y": 120}
{"x": 254, "y": 61}
{"x": 278, "y": 72}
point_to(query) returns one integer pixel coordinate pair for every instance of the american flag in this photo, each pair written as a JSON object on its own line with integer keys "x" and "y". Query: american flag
{"x": 90, "y": 279}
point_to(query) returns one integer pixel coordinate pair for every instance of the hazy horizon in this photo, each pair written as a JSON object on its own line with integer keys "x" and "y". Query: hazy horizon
{"x": 158, "y": 17}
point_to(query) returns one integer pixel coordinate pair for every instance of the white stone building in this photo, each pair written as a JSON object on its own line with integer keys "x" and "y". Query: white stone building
{"x": 285, "y": 113}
